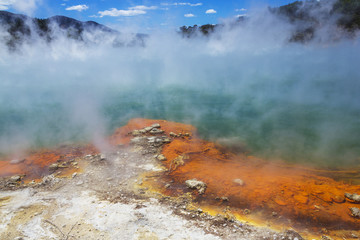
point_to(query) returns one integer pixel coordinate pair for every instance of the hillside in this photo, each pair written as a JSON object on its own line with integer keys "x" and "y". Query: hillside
{"x": 20, "y": 29}
{"x": 308, "y": 20}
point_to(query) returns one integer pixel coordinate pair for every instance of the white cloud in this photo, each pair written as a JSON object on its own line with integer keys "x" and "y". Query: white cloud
{"x": 63, "y": 4}
{"x": 241, "y": 15}
{"x": 195, "y": 5}
{"x": 5, "y": 4}
{"x": 113, "y": 12}
{"x": 189, "y": 15}
{"x": 131, "y": 11}
{"x": 142, "y": 7}
{"x": 25, "y": 6}
{"x": 241, "y": 10}
{"x": 4, "y": 7}
{"x": 210, "y": 11}
{"x": 182, "y": 4}
{"x": 78, "y": 8}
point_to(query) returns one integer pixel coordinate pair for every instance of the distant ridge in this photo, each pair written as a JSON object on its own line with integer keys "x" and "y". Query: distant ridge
{"x": 341, "y": 17}
{"x": 23, "y": 29}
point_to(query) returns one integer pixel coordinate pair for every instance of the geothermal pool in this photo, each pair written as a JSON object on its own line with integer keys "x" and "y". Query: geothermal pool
{"x": 275, "y": 100}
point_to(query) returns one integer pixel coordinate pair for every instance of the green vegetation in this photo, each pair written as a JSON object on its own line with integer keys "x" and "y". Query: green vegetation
{"x": 350, "y": 14}
{"x": 309, "y": 15}
{"x": 306, "y": 16}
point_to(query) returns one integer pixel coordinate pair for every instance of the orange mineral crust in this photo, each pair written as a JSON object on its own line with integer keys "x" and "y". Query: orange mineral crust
{"x": 34, "y": 164}
{"x": 292, "y": 194}
{"x": 245, "y": 186}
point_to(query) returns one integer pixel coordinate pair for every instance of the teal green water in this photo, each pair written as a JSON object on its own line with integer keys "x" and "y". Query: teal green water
{"x": 297, "y": 103}
{"x": 325, "y": 135}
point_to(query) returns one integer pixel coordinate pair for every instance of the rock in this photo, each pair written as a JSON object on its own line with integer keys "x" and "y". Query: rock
{"x": 166, "y": 140}
{"x": 17, "y": 161}
{"x": 16, "y": 178}
{"x": 353, "y": 197}
{"x": 239, "y": 181}
{"x": 225, "y": 199}
{"x": 138, "y": 140}
{"x": 178, "y": 161}
{"x": 292, "y": 234}
{"x": 355, "y": 212}
{"x": 172, "y": 134}
{"x": 161, "y": 157}
{"x": 167, "y": 185}
{"x": 74, "y": 175}
{"x": 50, "y": 179}
{"x": 148, "y": 129}
{"x": 53, "y": 167}
{"x": 156, "y": 125}
{"x": 196, "y": 184}
{"x": 324, "y": 237}
{"x": 135, "y": 133}
{"x": 102, "y": 157}
{"x": 156, "y": 131}
{"x": 187, "y": 134}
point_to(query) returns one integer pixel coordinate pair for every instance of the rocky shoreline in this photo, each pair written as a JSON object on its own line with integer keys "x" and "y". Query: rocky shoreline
{"x": 109, "y": 196}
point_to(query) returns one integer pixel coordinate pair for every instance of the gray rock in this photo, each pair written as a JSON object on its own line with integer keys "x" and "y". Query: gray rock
{"x": 156, "y": 125}
{"x": 135, "y": 133}
{"x": 53, "y": 167}
{"x": 291, "y": 234}
{"x": 166, "y": 140}
{"x": 353, "y": 197}
{"x": 148, "y": 129}
{"x": 156, "y": 131}
{"x": 138, "y": 140}
{"x": 16, "y": 178}
{"x": 355, "y": 212}
{"x": 172, "y": 134}
{"x": 324, "y": 237}
{"x": 161, "y": 157}
{"x": 196, "y": 184}
{"x": 50, "y": 179}
{"x": 239, "y": 181}
{"x": 17, "y": 161}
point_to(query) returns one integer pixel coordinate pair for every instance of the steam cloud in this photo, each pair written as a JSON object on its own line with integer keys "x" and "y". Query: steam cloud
{"x": 282, "y": 99}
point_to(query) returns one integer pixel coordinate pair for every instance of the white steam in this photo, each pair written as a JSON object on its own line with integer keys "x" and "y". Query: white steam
{"x": 246, "y": 80}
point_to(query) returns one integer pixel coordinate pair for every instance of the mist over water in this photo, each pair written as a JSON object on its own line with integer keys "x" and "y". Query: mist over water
{"x": 279, "y": 100}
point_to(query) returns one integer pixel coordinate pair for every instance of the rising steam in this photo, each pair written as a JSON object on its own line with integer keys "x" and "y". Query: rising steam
{"x": 249, "y": 82}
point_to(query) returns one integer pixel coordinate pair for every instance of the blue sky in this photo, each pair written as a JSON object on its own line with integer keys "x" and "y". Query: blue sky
{"x": 146, "y": 14}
